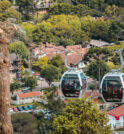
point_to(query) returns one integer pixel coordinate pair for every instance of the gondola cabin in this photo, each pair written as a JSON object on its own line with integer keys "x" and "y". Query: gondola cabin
{"x": 112, "y": 87}
{"x": 73, "y": 84}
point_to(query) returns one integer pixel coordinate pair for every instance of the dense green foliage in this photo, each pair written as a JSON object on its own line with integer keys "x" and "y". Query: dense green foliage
{"x": 81, "y": 116}
{"x": 50, "y": 73}
{"x": 97, "y": 53}
{"x": 6, "y": 11}
{"x": 27, "y": 8}
{"x": 71, "y": 29}
{"x": 30, "y": 81}
{"x": 19, "y": 48}
{"x": 97, "y": 69}
{"x": 80, "y": 10}
{"x": 24, "y": 123}
{"x": 55, "y": 105}
{"x": 99, "y": 4}
{"x": 42, "y": 34}
{"x": 58, "y": 62}
{"x": 66, "y": 24}
{"x": 15, "y": 85}
{"x": 39, "y": 64}
{"x": 12, "y": 13}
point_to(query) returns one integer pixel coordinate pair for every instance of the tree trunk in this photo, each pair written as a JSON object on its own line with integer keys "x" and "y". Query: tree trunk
{"x": 6, "y": 32}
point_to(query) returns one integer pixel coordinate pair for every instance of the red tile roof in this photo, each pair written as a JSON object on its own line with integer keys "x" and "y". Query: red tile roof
{"x": 74, "y": 47}
{"x": 117, "y": 112}
{"x": 30, "y": 94}
{"x": 78, "y": 49}
{"x": 48, "y": 48}
{"x": 73, "y": 58}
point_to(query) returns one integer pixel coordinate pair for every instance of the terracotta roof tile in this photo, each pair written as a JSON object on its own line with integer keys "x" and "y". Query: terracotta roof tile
{"x": 117, "y": 112}
{"x": 77, "y": 49}
{"x": 74, "y": 47}
{"x": 30, "y": 94}
{"x": 73, "y": 58}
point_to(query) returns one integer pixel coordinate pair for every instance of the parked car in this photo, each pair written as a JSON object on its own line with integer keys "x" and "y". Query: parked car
{"x": 40, "y": 78}
{"x": 30, "y": 107}
{"x": 110, "y": 108}
{"x": 25, "y": 108}
{"x": 47, "y": 114}
{"x": 15, "y": 109}
{"x": 20, "y": 108}
{"x": 11, "y": 110}
{"x": 55, "y": 85}
{"x": 22, "y": 84}
{"x": 26, "y": 89}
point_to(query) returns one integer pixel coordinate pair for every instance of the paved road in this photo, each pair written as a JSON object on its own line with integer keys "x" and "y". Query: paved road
{"x": 40, "y": 85}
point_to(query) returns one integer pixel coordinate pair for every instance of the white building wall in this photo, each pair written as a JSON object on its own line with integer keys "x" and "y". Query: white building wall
{"x": 116, "y": 123}
{"x": 29, "y": 100}
{"x": 41, "y": 56}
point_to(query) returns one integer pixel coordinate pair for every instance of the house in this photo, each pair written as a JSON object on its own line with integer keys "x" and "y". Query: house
{"x": 73, "y": 59}
{"x": 98, "y": 43}
{"x": 15, "y": 67}
{"x": 29, "y": 97}
{"x": 77, "y": 49}
{"x": 44, "y": 50}
{"x": 116, "y": 117}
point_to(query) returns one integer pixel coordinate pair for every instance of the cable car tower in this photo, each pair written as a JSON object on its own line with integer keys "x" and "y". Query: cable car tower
{"x": 73, "y": 82}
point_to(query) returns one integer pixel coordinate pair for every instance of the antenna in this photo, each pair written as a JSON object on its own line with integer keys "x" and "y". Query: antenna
{"x": 66, "y": 53}
{"x": 121, "y": 59}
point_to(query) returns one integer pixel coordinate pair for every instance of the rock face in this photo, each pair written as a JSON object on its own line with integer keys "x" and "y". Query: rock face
{"x": 7, "y": 30}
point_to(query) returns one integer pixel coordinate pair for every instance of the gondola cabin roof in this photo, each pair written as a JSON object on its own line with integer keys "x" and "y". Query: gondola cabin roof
{"x": 73, "y": 72}
{"x": 114, "y": 74}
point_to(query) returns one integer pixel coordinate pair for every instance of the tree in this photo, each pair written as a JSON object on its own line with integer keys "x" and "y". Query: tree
{"x": 29, "y": 28}
{"x": 4, "y": 5}
{"x": 50, "y": 73}
{"x": 44, "y": 62}
{"x": 15, "y": 85}
{"x": 115, "y": 29}
{"x": 24, "y": 123}
{"x": 58, "y": 62}
{"x": 30, "y": 81}
{"x": 112, "y": 11}
{"x": 12, "y": 13}
{"x": 6, "y": 11}
{"x": 39, "y": 64}
{"x": 79, "y": 10}
{"x": 81, "y": 117}
{"x": 19, "y": 48}
{"x": 26, "y": 7}
{"x": 100, "y": 30}
{"x": 97, "y": 54}
{"x": 60, "y": 41}
{"x": 7, "y": 30}
{"x": 80, "y": 37}
{"x": 97, "y": 69}
{"x": 55, "y": 105}
{"x": 22, "y": 69}
{"x": 42, "y": 34}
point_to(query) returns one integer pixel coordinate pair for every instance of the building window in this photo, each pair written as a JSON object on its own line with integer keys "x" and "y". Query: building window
{"x": 117, "y": 118}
